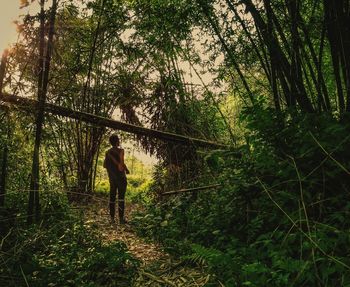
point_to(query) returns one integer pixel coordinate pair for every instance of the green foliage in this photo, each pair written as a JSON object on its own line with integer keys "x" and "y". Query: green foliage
{"x": 279, "y": 218}
{"x": 164, "y": 23}
{"x": 102, "y": 187}
{"x": 140, "y": 193}
{"x": 14, "y": 136}
{"x": 61, "y": 251}
{"x": 79, "y": 258}
{"x": 137, "y": 189}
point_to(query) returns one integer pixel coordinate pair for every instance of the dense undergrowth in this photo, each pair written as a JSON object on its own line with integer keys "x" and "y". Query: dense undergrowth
{"x": 281, "y": 215}
{"x": 61, "y": 250}
{"x": 137, "y": 189}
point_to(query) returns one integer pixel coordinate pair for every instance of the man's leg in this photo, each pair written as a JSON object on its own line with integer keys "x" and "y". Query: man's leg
{"x": 122, "y": 183}
{"x": 112, "y": 196}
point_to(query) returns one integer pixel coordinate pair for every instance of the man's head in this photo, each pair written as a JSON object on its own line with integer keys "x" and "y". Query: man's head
{"x": 114, "y": 140}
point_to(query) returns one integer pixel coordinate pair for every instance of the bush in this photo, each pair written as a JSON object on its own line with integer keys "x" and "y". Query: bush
{"x": 279, "y": 218}
{"x": 140, "y": 194}
{"x": 137, "y": 190}
{"x": 62, "y": 251}
{"x": 102, "y": 187}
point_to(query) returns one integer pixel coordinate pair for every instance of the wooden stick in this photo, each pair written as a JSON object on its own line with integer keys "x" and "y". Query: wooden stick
{"x": 3, "y": 68}
{"x": 157, "y": 279}
{"x": 32, "y": 105}
{"x": 191, "y": 189}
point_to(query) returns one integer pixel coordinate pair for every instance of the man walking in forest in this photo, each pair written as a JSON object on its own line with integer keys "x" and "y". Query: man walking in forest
{"x": 117, "y": 170}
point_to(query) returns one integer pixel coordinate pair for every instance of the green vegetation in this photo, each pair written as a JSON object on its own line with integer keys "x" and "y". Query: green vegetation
{"x": 251, "y": 95}
{"x": 63, "y": 250}
{"x": 279, "y": 218}
{"x": 139, "y": 182}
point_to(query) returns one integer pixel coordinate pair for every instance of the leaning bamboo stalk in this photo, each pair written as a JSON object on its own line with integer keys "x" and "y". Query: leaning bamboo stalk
{"x": 32, "y": 105}
{"x": 191, "y": 189}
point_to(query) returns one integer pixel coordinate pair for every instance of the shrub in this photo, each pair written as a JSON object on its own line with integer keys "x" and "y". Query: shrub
{"x": 279, "y": 218}
{"x": 61, "y": 251}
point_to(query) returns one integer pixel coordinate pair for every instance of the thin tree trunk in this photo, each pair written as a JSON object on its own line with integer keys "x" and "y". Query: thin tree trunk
{"x": 262, "y": 58}
{"x": 86, "y": 140}
{"x": 320, "y": 85}
{"x": 274, "y": 48}
{"x": 3, "y": 175}
{"x": 295, "y": 81}
{"x": 229, "y": 52}
{"x": 298, "y": 86}
{"x": 44, "y": 66}
{"x": 344, "y": 19}
{"x": 334, "y": 42}
{"x": 274, "y": 63}
{"x": 319, "y": 69}
{"x": 5, "y": 150}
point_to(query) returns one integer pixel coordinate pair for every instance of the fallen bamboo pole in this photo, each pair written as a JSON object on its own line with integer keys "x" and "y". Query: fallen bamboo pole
{"x": 31, "y": 105}
{"x": 191, "y": 189}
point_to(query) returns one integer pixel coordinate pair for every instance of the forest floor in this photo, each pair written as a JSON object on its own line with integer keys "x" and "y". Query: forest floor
{"x": 157, "y": 267}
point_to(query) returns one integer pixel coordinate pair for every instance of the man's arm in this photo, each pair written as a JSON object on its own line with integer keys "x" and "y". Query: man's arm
{"x": 120, "y": 165}
{"x": 123, "y": 163}
{"x": 122, "y": 156}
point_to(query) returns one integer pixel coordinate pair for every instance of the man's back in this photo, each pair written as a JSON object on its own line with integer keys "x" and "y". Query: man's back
{"x": 113, "y": 162}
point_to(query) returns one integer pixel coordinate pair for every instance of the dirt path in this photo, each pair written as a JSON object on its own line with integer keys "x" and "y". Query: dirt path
{"x": 158, "y": 269}
{"x": 146, "y": 252}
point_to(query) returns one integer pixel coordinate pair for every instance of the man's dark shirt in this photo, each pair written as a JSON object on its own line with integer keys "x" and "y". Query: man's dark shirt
{"x": 109, "y": 164}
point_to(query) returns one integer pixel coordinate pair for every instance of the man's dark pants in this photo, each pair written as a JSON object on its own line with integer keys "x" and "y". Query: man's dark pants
{"x": 117, "y": 181}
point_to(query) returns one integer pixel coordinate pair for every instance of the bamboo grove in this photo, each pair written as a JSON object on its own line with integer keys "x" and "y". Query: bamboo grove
{"x": 244, "y": 103}
{"x": 293, "y": 53}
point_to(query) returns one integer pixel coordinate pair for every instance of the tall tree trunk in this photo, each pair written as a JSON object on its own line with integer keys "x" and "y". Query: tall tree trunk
{"x": 297, "y": 84}
{"x": 272, "y": 43}
{"x": 3, "y": 174}
{"x": 5, "y": 149}
{"x": 323, "y": 96}
{"x": 87, "y": 138}
{"x": 274, "y": 63}
{"x": 261, "y": 56}
{"x": 344, "y": 20}
{"x": 44, "y": 68}
{"x": 214, "y": 24}
{"x": 337, "y": 19}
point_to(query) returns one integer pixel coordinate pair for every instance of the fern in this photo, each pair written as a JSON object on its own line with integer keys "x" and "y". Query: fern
{"x": 204, "y": 256}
